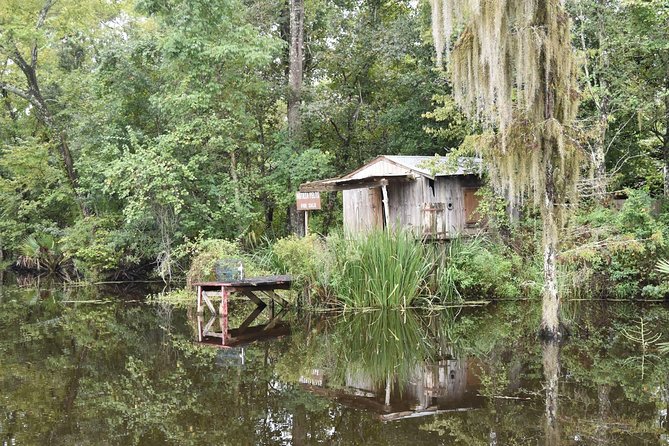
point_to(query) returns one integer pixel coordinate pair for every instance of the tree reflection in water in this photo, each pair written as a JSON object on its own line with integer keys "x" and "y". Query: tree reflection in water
{"x": 551, "y": 362}
{"x": 84, "y": 367}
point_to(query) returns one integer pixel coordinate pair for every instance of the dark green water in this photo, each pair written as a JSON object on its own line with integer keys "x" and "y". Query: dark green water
{"x": 100, "y": 366}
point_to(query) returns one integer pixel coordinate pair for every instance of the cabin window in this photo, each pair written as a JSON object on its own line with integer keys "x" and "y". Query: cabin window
{"x": 430, "y": 184}
{"x": 472, "y": 201}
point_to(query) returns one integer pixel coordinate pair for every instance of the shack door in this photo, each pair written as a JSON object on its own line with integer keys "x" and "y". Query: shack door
{"x": 434, "y": 220}
{"x": 376, "y": 205}
{"x": 472, "y": 201}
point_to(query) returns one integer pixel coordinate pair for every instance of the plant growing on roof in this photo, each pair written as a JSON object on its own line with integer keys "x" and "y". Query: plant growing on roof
{"x": 512, "y": 68}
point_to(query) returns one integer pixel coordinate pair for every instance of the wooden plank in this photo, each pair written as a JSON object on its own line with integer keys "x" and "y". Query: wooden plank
{"x": 208, "y": 302}
{"x": 372, "y": 217}
{"x": 255, "y": 299}
{"x": 276, "y": 298}
{"x": 200, "y": 310}
{"x": 251, "y": 282}
{"x": 342, "y": 184}
{"x": 207, "y": 328}
{"x": 472, "y": 201}
{"x": 251, "y": 317}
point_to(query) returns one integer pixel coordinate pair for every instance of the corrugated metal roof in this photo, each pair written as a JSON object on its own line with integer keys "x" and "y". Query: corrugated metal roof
{"x": 438, "y": 166}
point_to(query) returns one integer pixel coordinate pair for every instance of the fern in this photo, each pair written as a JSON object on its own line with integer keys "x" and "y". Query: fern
{"x": 663, "y": 266}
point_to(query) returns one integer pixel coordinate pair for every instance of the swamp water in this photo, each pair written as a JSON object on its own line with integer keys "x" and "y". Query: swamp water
{"x": 92, "y": 367}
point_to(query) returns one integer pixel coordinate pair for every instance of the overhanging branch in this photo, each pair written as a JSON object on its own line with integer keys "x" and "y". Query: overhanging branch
{"x": 17, "y": 91}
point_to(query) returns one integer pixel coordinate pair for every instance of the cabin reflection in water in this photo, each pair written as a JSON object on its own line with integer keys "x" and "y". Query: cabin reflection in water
{"x": 446, "y": 386}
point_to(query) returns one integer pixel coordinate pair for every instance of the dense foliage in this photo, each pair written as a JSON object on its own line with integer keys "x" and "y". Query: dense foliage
{"x": 133, "y": 132}
{"x": 173, "y": 116}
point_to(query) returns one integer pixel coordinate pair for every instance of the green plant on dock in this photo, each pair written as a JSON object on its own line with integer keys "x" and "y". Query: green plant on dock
{"x": 382, "y": 269}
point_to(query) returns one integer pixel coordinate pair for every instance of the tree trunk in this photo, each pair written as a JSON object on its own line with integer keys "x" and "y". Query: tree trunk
{"x": 329, "y": 216}
{"x": 296, "y": 67}
{"x": 598, "y": 155}
{"x": 238, "y": 199}
{"x": 665, "y": 145}
{"x": 551, "y": 362}
{"x": 300, "y": 429}
{"x": 603, "y": 397}
{"x": 550, "y": 315}
{"x": 33, "y": 95}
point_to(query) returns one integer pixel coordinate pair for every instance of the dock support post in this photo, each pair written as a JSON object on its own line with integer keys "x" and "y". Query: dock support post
{"x": 223, "y": 308}
{"x": 200, "y": 321}
{"x": 200, "y": 310}
{"x": 223, "y": 311}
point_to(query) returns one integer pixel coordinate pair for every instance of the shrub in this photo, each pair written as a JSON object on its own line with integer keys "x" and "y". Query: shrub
{"x": 207, "y": 252}
{"x": 298, "y": 257}
{"x": 95, "y": 248}
{"x": 617, "y": 251}
{"x": 43, "y": 251}
{"x": 478, "y": 268}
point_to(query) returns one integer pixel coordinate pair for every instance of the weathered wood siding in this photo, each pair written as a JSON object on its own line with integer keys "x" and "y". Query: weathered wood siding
{"x": 379, "y": 168}
{"x": 363, "y": 210}
{"x": 433, "y": 208}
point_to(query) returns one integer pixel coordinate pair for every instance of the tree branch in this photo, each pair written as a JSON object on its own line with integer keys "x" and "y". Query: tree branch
{"x": 17, "y": 91}
{"x": 40, "y": 22}
{"x": 44, "y": 12}
{"x": 336, "y": 129}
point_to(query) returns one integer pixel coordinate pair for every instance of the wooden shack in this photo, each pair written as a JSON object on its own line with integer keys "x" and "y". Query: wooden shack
{"x": 433, "y": 196}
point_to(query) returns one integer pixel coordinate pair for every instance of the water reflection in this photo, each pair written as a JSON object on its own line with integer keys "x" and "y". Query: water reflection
{"x": 89, "y": 366}
{"x": 551, "y": 362}
{"x": 252, "y": 328}
{"x": 389, "y": 364}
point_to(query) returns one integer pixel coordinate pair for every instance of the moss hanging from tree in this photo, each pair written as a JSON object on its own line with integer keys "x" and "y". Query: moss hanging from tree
{"x": 512, "y": 68}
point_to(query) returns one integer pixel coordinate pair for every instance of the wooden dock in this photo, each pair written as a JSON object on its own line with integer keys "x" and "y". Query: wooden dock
{"x": 247, "y": 287}
{"x": 253, "y": 289}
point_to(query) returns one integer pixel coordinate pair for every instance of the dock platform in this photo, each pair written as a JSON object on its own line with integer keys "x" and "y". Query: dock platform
{"x": 247, "y": 287}
{"x": 250, "y": 288}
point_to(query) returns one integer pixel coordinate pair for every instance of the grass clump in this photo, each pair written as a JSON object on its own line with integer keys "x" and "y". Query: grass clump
{"x": 381, "y": 269}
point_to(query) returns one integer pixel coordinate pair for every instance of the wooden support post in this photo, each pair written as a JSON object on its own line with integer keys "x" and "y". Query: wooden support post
{"x": 306, "y": 223}
{"x": 200, "y": 310}
{"x": 386, "y": 210}
{"x": 223, "y": 320}
{"x": 200, "y": 320}
{"x": 223, "y": 308}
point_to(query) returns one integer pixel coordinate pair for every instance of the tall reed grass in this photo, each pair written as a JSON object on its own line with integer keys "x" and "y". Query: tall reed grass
{"x": 382, "y": 269}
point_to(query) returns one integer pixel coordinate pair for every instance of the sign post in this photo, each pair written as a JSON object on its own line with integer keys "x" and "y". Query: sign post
{"x": 307, "y": 201}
